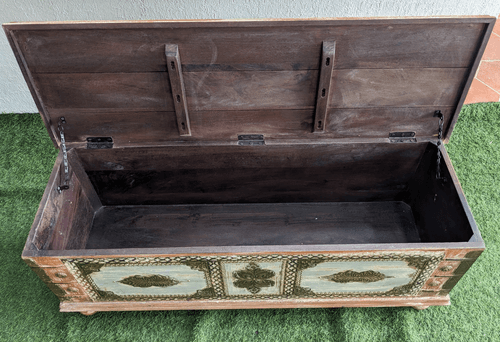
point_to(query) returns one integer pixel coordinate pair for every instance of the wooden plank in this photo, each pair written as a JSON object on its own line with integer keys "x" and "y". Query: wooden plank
{"x": 285, "y": 249}
{"x": 237, "y": 174}
{"x": 177, "y": 86}
{"x": 238, "y": 157}
{"x": 249, "y": 185}
{"x": 325, "y": 80}
{"x": 124, "y": 126}
{"x": 473, "y": 68}
{"x": 146, "y": 91}
{"x": 251, "y": 90}
{"x": 378, "y": 122}
{"x": 48, "y": 211}
{"x": 361, "y": 44}
{"x": 35, "y": 92}
{"x": 83, "y": 179}
{"x": 227, "y": 125}
{"x": 89, "y": 308}
{"x": 252, "y": 224}
{"x": 280, "y": 22}
{"x": 396, "y": 87}
{"x": 128, "y": 127}
{"x": 75, "y": 219}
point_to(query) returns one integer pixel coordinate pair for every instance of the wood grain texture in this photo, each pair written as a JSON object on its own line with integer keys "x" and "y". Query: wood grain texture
{"x": 238, "y": 174}
{"x": 75, "y": 219}
{"x": 239, "y": 47}
{"x": 136, "y": 127}
{"x": 48, "y": 211}
{"x": 379, "y": 122}
{"x": 400, "y": 157}
{"x": 249, "y": 90}
{"x": 254, "y": 304}
{"x": 475, "y": 65}
{"x": 54, "y": 274}
{"x": 145, "y": 91}
{"x": 325, "y": 80}
{"x": 83, "y": 179}
{"x": 249, "y": 185}
{"x": 265, "y": 22}
{"x": 28, "y": 77}
{"x": 124, "y": 126}
{"x": 395, "y": 87}
{"x": 42, "y": 261}
{"x": 257, "y": 224}
{"x": 178, "y": 90}
{"x": 369, "y": 44}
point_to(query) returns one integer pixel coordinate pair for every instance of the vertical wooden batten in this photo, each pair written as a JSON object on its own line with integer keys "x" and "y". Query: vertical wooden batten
{"x": 178, "y": 89}
{"x": 325, "y": 80}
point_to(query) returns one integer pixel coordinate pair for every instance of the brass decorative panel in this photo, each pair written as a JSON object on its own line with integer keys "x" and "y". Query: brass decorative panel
{"x": 249, "y": 277}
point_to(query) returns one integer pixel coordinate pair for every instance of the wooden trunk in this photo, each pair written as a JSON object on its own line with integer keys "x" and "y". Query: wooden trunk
{"x": 251, "y": 164}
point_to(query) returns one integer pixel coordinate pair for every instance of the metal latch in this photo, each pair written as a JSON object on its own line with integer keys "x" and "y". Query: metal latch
{"x": 99, "y": 142}
{"x": 402, "y": 137}
{"x": 251, "y": 139}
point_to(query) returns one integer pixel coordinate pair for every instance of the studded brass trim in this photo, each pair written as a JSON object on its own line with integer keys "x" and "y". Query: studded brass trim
{"x": 424, "y": 264}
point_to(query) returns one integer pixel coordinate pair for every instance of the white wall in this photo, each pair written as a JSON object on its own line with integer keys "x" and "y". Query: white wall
{"x": 15, "y": 96}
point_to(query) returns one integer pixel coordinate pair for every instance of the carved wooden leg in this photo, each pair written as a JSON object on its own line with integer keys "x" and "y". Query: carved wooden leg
{"x": 88, "y": 313}
{"x": 421, "y": 307}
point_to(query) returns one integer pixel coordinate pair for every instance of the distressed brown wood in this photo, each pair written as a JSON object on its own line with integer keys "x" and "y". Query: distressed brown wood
{"x": 378, "y": 122}
{"x": 248, "y": 90}
{"x": 28, "y": 77}
{"x": 136, "y": 127}
{"x": 177, "y": 85}
{"x": 75, "y": 218}
{"x": 288, "y": 46}
{"x": 164, "y": 191}
{"x": 83, "y": 179}
{"x": 257, "y": 224}
{"x": 255, "y": 304}
{"x": 48, "y": 211}
{"x": 486, "y": 35}
{"x": 395, "y": 87}
{"x": 325, "y": 80}
{"x": 238, "y": 51}
{"x": 217, "y": 157}
{"x": 144, "y": 91}
{"x": 267, "y": 174}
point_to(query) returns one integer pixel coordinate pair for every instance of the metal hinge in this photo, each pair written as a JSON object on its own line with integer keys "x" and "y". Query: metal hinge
{"x": 99, "y": 142}
{"x": 402, "y": 137}
{"x": 251, "y": 139}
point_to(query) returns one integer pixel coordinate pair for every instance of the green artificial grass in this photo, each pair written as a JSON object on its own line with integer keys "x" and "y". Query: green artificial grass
{"x": 29, "y": 311}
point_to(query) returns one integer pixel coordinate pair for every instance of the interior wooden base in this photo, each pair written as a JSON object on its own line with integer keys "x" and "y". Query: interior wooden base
{"x": 416, "y": 302}
{"x": 253, "y": 224}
